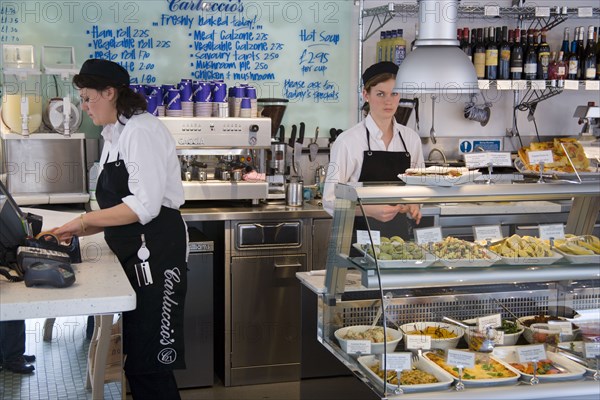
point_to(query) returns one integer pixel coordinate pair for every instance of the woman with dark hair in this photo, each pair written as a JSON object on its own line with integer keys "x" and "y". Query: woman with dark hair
{"x": 139, "y": 191}
{"x": 377, "y": 149}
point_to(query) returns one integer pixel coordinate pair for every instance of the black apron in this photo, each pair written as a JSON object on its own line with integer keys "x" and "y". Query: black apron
{"x": 384, "y": 166}
{"x": 153, "y": 332}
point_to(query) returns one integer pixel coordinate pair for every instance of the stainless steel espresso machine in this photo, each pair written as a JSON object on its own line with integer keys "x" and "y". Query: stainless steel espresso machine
{"x": 216, "y": 153}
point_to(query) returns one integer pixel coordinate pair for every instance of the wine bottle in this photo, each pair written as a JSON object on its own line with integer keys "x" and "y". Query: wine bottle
{"x": 589, "y": 60}
{"x": 465, "y": 45}
{"x": 530, "y": 58}
{"x": 581, "y": 52}
{"x": 479, "y": 55}
{"x": 573, "y": 67}
{"x": 504, "y": 61}
{"x": 598, "y": 55}
{"x": 516, "y": 57}
{"x": 565, "y": 44}
{"x": 561, "y": 70}
{"x": 491, "y": 58}
{"x": 399, "y": 47}
{"x": 379, "y": 51}
{"x": 543, "y": 57}
{"x": 413, "y": 43}
{"x": 553, "y": 69}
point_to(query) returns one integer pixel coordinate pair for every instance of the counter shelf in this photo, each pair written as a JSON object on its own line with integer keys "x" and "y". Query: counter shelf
{"x": 428, "y": 294}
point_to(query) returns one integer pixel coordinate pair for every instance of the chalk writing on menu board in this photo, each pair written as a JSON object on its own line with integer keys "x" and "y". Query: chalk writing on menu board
{"x": 9, "y": 24}
{"x": 230, "y": 41}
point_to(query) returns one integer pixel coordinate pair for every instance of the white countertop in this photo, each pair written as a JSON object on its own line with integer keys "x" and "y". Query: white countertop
{"x": 101, "y": 286}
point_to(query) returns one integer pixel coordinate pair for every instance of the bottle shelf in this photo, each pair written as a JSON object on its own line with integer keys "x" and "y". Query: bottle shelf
{"x": 485, "y": 84}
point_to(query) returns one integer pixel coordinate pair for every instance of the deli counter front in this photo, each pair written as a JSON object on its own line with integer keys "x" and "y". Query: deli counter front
{"x": 497, "y": 317}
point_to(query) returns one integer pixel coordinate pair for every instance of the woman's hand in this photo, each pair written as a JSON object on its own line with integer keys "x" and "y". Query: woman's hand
{"x": 386, "y": 213}
{"x": 68, "y": 230}
{"x": 413, "y": 211}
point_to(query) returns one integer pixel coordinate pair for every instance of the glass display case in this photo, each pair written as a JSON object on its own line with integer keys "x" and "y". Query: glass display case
{"x": 431, "y": 287}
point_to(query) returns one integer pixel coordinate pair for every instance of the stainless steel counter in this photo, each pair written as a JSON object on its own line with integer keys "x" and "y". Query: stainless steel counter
{"x": 224, "y": 211}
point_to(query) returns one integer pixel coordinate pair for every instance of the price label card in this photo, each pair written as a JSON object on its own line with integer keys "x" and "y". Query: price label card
{"x": 571, "y": 85}
{"x": 493, "y": 321}
{"x": 583, "y": 12}
{"x": 358, "y": 346}
{"x": 592, "y": 85}
{"x": 483, "y": 84}
{"x": 534, "y": 352}
{"x": 499, "y": 337}
{"x": 541, "y": 156}
{"x": 418, "y": 342}
{"x": 504, "y": 84}
{"x": 552, "y": 231}
{"x": 476, "y": 160}
{"x": 500, "y": 159}
{"x": 519, "y": 85}
{"x": 397, "y": 361}
{"x": 591, "y": 349}
{"x": 538, "y": 85}
{"x": 362, "y": 237}
{"x": 460, "y": 358}
{"x": 492, "y": 11}
{"x": 428, "y": 235}
{"x": 542, "y": 12}
{"x": 487, "y": 232}
{"x": 564, "y": 326}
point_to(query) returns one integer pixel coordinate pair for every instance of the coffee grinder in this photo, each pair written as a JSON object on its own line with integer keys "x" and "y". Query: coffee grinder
{"x": 274, "y": 109}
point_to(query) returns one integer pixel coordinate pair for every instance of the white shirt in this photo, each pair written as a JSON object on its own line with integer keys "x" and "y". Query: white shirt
{"x": 346, "y": 157}
{"x": 148, "y": 149}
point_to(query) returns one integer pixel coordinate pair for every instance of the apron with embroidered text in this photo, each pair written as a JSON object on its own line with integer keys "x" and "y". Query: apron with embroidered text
{"x": 153, "y": 332}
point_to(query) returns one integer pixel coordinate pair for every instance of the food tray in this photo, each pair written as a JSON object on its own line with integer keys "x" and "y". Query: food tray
{"x": 445, "y": 380}
{"x": 482, "y": 382}
{"x": 508, "y": 354}
{"x": 469, "y": 262}
{"x": 577, "y": 350}
{"x": 439, "y": 180}
{"x": 580, "y": 259}
{"x": 548, "y": 173}
{"x": 531, "y": 260}
{"x": 427, "y": 261}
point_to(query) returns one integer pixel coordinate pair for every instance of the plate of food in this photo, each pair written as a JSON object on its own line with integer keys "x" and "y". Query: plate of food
{"x": 455, "y": 253}
{"x": 537, "y": 329}
{"x": 397, "y": 254}
{"x": 576, "y": 348}
{"x": 371, "y": 333}
{"x": 422, "y": 377}
{"x": 555, "y": 368}
{"x": 439, "y": 176}
{"x": 488, "y": 370}
{"x": 525, "y": 250}
{"x": 579, "y": 249}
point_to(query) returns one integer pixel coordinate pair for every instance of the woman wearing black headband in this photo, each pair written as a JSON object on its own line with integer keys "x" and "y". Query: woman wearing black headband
{"x": 377, "y": 149}
{"x": 139, "y": 191}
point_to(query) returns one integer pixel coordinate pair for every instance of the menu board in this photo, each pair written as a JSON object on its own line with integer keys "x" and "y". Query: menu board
{"x": 298, "y": 50}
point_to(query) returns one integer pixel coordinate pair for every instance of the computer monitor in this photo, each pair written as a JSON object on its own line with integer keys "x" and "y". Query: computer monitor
{"x": 14, "y": 227}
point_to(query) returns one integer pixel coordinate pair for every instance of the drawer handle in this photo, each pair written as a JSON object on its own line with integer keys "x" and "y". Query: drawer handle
{"x": 294, "y": 265}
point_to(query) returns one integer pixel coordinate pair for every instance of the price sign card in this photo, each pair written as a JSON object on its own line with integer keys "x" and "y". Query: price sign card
{"x": 538, "y": 85}
{"x": 486, "y": 233}
{"x": 490, "y": 321}
{"x": 362, "y": 237}
{"x": 541, "y": 156}
{"x": 500, "y": 159}
{"x": 476, "y": 160}
{"x": 542, "y": 12}
{"x": 504, "y": 85}
{"x": 492, "y": 11}
{"x": 534, "y": 352}
{"x": 519, "y": 85}
{"x": 418, "y": 342}
{"x": 397, "y": 361}
{"x": 584, "y": 12}
{"x": 571, "y": 85}
{"x": 460, "y": 358}
{"x": 592, "y": 85}
{"x": 428, "y": 235}
{"x": 591, "y": 349}
{"x": 358, "y": 346}
{"x": 483, "y": 84}
{"x": 552, "y": 231}
{"x": 563, "y": 326}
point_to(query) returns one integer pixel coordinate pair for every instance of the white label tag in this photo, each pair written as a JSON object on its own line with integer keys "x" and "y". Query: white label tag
{"x": 460, "y": 358}
{"x": 418, "y": 342}
{"x": 538, "y": 85}
{"x": 428, "y": 235}
{"x": 504, "y": 85}
{"x": 542, "y": 11}
{"x": 519, "y": 85}
{"x": 487, "y": 232}
{"x": 499, "y": 337}
{"x": 397, "y": 361}
{"x": 564, "y": 326}
{"x": 536, "y": 157}
{"x": 492, "y": 11}
{"x": 500, "y": 159}
{"x": 492, "y": 321}
{"x": 534, "y": 352}
{"x": 592, "y": 85}
{"x": 583, "y": 12}
{"x": 483, "y": 84}
{"x": 571, "y": 85}
{"x": 476, "y": 160}
{"x": 358, "y": 346}
{"x": 591, "y": 349}
{"x": 552, "y": 231}
{"x": 362, "y": 237}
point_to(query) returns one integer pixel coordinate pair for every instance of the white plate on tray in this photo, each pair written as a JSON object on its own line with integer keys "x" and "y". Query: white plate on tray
{"x": 531, "y": 260}
{"x": 585, "y": 175}
{"x": 444, "y": 380}
{"x": 508, "y": 354}
{"x": 482, "y": 382}
{"x": 577, "y": 348}
{"x": 580, "y": 259}
{"x": 433, "y": 179}
{"x": 469, "y": 262}
{"x": 427, "y": 261}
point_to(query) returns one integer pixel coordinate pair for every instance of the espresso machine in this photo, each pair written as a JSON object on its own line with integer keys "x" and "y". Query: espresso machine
{"x": 222, "y": 158}
{"x": 276, "y": 156}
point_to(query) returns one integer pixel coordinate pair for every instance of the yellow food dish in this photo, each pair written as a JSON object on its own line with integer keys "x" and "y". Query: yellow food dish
{"x": 435, "y": 332}
{"x": 485, "y": 368}
{"x": 412, "y": 377}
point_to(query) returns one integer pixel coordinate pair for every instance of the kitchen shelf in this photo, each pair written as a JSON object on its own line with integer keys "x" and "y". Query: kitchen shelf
{"x": 485, "y": 84}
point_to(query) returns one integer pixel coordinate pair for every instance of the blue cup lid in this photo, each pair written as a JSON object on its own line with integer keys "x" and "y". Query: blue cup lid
{"x": 246, "y": 103}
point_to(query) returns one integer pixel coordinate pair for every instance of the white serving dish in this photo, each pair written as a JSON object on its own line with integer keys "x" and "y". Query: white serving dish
{"x": 431, "y": 179}
{"x": 540, "y": 328}
{"x": 577, "y": 348}
{"x": 508, "y": 354}
{"x": 470, "y": 263}
{"x": 444, "y": 380}
{"x": 580, "y": 259}
{"x": 531, "y": 260}
{"x": 443, "y": 344}
{"x": 394, "y": 337}
{"x": 425, "y": 262}
{"x": 508, "y": 339}
{"x": 482, "y": 382}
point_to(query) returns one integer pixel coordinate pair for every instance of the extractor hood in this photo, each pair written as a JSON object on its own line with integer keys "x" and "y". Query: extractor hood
{"x": 437, "y": 65}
